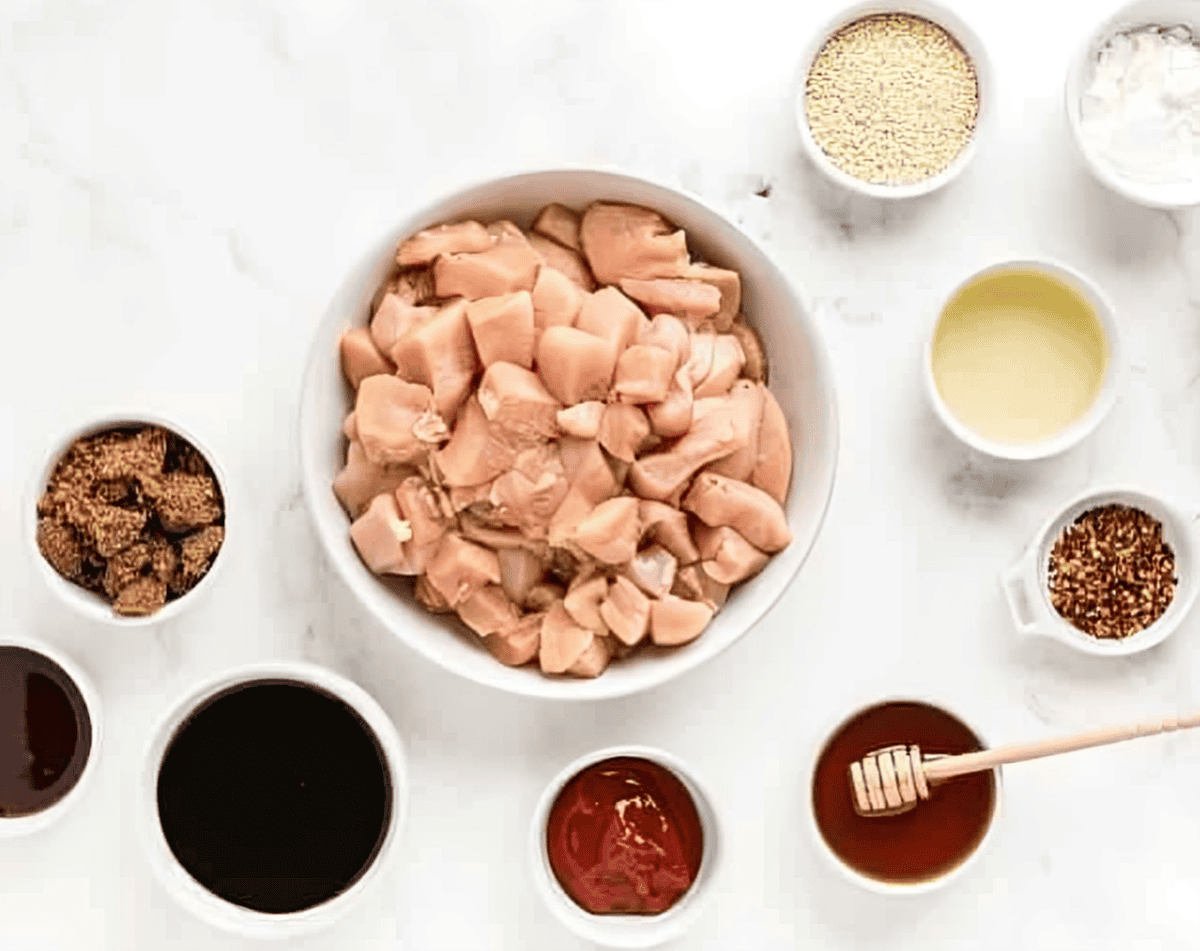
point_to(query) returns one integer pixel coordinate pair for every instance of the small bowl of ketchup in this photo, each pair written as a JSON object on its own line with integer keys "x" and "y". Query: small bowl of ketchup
{"x": 918, "y": 851}
{"x": 625, "y": 844}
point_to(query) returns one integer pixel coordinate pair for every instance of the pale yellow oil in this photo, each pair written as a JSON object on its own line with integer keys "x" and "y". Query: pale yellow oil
{"x": 1019, "y": 355}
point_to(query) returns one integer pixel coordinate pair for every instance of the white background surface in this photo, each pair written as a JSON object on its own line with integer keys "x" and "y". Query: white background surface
{"x": 181, "y": 191}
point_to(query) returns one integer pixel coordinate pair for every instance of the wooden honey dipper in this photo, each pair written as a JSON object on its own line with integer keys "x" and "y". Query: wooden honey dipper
{"x": 893, "y": 780}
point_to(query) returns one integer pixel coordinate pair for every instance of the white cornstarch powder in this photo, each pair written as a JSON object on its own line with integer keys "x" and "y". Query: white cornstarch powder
{"x": 1140, "y": 113}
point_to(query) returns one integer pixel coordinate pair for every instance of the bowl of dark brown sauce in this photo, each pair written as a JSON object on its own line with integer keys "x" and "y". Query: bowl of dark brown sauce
{"x": 271, "y": 797}
{"x": 49, "y": 735}
{"x": 917, "y": 851}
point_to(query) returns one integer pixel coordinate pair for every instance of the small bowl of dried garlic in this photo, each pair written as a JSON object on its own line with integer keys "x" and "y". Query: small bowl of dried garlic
{"x": 893, "y": 97}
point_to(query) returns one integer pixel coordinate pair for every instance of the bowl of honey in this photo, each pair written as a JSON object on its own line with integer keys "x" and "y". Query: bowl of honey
{"x": 925, "y": 848}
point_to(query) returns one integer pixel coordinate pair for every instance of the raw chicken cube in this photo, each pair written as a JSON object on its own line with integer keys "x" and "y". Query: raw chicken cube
{"x": 758, "y": 518}
{"x": 361, "y": 358}
{"x": 626, "y": 611}
{"x": 673, "y": 416}
{"x": 459, "y": 568}
{"x": 560, "y": 224}
{"x": 773, "y": 469}
{"x": 562, "y": 640}
{"x": 424, "y": 246}
{"x": 426, "y": 523}
{"x": 728, "y": 284}
{"x": 379, "y": 535}
{"x": 520, "y": 570}
{"x": 621, "y": 240}
{"x": 653, "y": 570}
{"x": 581, "y": 420}
{"x": 477, "y": 452}
{"x": 690, "y": 301}
{"x": 693, "y": 583}
{"x": 502, "y": 328}
{"x": 508, "y": 266}
{"x": 670, "y": 334}
{"x": 644, "y": 374}
{"x": 727, "y": 363}
{"x": 519, "y": 644}
{"x": 668, "y": 526}
{"x": 488, "y": 611}
{"x": 624, "y": 429}
{"x": 746, "y": 398}
{"x": 583, "y": 602}
{"x": 727, "y": 557}
{"x": 611, "y": 315}
{"x": 396, "y": 420}
{"x": 610, "y": 532}
{"x": 576, "y": 366}
{"x": 675, "y": 621}
{"x": 361, "y": 480}
{"x": 594, "y": 659}
{"x": 441, "y": 355}
{"x": 755, "y": 367}
{"x": 587, "y": 469}
{"x": 715, "y": 433}
{"x": 395, "y": 319}
{"x": 556, "y": 301}
{"x": 563, "y": 260}
{"x": 514, "y": 398}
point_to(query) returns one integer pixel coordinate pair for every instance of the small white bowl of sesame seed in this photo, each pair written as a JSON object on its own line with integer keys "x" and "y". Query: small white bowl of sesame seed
{"x": 893, "y": 97}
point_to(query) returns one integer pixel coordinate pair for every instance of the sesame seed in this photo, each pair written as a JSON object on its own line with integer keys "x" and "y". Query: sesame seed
{"x": 892, "y": 99}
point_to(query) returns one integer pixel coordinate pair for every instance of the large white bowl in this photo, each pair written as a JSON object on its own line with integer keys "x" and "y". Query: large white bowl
{"x": 800, "y": 377}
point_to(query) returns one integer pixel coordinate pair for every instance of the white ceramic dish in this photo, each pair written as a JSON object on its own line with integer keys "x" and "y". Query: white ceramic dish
{"x": 1076, "y": 431}
{"x": 1129, "y": 17}
{"x": 627, "y": 931}
{"x": 876, "y": 885}
{"x": 953, "y": 23}
{"x": 191, "y": 894}
{"x": 80, "y": 600}
{"x": 1026, "y": 588}
{"x": 800, "y": 378}
{"x": 13, "y": 826}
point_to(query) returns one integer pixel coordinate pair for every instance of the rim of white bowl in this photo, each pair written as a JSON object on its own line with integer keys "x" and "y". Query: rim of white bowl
{"x": 1078, "y": 430}
{"x": 1166, "y": 197}
{"x": 193, "y": 896}
{"x": 374, "y": 596}
{"x": 627, "y": 931}
{"x": 11, "y": 827}
{"x": 80, "y": 600}
{"x": 877, "y": 885}
{"x": 953, "y": 22}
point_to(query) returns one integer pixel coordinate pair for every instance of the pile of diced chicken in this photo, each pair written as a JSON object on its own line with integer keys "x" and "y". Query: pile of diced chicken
{"x": 565, "y": 436}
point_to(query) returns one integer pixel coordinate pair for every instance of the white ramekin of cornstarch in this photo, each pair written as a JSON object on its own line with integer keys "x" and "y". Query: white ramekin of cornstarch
{"x": 893, "y": 97}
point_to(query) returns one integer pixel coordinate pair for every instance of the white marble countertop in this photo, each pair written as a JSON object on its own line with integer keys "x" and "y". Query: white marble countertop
{"x": 180, "y": 193}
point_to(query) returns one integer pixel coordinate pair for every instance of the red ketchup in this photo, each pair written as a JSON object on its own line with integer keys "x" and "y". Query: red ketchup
{"x": 624, "y": 837}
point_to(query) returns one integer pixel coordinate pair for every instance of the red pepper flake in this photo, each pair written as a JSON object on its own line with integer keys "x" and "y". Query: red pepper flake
{"x": 1111, "y": 573}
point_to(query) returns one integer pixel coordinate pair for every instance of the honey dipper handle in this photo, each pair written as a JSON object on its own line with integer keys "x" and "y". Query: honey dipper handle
{"x": 943, "y": 767}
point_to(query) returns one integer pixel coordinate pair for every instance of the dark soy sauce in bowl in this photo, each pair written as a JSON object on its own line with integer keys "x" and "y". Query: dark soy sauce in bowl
{"x": 45, "y": 732}
{"x": 275, "y": 796}
{"x": 925, "y": 843}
